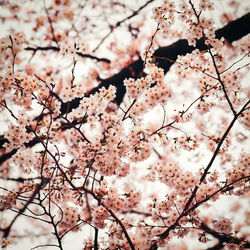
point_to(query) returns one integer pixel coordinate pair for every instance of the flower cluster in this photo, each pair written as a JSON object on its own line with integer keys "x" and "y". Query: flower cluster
{"x": 25, "y": 159}
{"x": 117, "y": 237}
{"x": 17, "y": 136}
{"x": 223, "y": 225}
{"x": 171, "y": 174}
{"x": 204, "y": 107}
{"x": 132, "y": 198}
{"x": 136, "y": 87}
{"x": 148, "y": 91}
{"x": 164, "y": 15}
{"x": 15, "y": 39}
{"x": 70, "y": 92}
{"x": 245, "y": 119}
{"x": 93, "y": 105}
{"x": 76, "y": 159}
{"x": 69, "y": 49}
{"x": 26, "y": 83}
{"x": 107, "y": 164}
{"x": 239, "y": 170}
{"x": 88, "y": 244}
{"x": 98, "y": 216}
{"x": 197, "y": 26}
{"x": 244, "y": 45}
{"x": 8, "y": 201}
{"x": 6, "y": 242}
{"x": 123, "y": 170}
{"x": 70, "y": 219}
{"x": 113, "y": 200}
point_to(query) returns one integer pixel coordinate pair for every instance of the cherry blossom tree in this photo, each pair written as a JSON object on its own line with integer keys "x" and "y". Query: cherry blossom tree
{"x": 125, "y": 122}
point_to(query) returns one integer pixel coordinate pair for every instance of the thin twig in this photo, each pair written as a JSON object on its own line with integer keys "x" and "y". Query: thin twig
{"x": 113, "y": 27}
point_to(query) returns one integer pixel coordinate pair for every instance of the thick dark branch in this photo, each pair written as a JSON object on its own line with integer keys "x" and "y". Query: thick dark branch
{"x": 231, "y": 32}
{"x": 20, "y": 179}
{"x": 96, "y": 239}
{"x": 133, "y": 70}
{"x": 224, "y": 238}
{"x": 6, "y": 156}
{"x": 165, "y": 57}
{"x": 235, "y": 30}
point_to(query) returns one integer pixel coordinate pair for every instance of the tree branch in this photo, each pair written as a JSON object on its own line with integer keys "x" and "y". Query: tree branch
{"x": 39, "y": 48}
{"x": 231, "y": 32}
